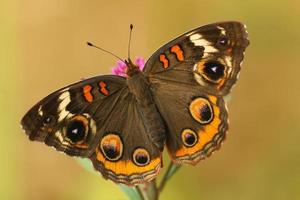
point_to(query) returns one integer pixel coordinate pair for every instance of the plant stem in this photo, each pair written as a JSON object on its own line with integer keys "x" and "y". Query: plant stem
{"x": 149, "y": 190}
{"x": 139, "y": 192}
{"x": 172, "y": 168}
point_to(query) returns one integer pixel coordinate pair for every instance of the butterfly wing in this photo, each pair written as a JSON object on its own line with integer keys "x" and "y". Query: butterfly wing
{"x": 188, "y": 77}
{"x": 208, "y": 57}
{"x": 99, "y": 119}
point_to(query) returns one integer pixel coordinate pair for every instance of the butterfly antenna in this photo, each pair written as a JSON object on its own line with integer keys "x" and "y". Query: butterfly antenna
{"x": 109, "y": 52}
{"x": 129, "y": 41}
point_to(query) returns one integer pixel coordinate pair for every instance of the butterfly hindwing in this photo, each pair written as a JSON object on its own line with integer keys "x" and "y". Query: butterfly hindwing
{"x": 141, "y": 159}
{"x": 208, "y": 57}
{"x": 196, "y": 121}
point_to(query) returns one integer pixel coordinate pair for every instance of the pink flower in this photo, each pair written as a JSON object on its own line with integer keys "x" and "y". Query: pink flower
{"x": 120, "y": 68}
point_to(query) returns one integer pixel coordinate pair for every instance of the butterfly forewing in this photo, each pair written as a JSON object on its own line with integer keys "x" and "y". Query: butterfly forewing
{"x": 65, "y": 119}
{"x": 208, "y": 57}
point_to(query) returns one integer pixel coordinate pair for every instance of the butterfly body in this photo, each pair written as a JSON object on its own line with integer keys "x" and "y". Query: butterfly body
{"x": 139, "y": 86}
{"x": 122, "y": 124}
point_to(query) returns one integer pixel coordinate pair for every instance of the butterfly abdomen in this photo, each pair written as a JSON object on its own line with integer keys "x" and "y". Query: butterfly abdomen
{"x": 154, "y": 124}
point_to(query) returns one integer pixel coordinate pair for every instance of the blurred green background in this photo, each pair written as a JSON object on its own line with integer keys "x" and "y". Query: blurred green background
{"x": 43, "y": 48}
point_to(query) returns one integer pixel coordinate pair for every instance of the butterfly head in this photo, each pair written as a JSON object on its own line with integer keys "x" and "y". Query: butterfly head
{"x": 131, "y": 68}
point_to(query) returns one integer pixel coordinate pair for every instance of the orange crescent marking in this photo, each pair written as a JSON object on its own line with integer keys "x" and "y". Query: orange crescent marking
{"x": 164, "y": 60}
{"x": 87, "y": 93}
{"x": 179, "y": 53}
{"x": 103, "y": 89}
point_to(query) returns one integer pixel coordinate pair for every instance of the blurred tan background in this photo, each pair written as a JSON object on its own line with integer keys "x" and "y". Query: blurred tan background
{"x": 43, "y": 48}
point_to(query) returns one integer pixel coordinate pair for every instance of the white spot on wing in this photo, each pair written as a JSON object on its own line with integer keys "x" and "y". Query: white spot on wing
{"x": 197, "y": 77}
{"x": 198, "y": 40}
{"x": 65, "y": 100}
{"x": 222, "y": 30}
{"x": 40, "y": 111}
{"x": 196, "y": 36}
{"x": 228, "y": 61}
{"x": 195, "y": 68}
{"x": 59, "y": 136}
{"x": 210, "y": 49}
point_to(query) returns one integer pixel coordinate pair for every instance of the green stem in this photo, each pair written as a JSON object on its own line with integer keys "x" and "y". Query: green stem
{"x": 139, "y": 191}
{"x": 172, "y": 169}
{"x": 149, "y": 190}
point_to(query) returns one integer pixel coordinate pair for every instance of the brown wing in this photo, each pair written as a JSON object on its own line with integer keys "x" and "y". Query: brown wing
{"x": 196, "y": 121}
{"x": 99, "y": 119}
{"x": 124, "y": 132}
{"x": 188, "y": 78}
{"x": 208, "y": 57}
{"x": 56, "y": 118}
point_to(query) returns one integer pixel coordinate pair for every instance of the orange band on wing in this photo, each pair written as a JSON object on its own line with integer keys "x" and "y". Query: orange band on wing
{"x": 126, "y": 167}
{"x": 178, "y": 52}
{"x": 87, "y": 93}
{"x": 205, "y": 135}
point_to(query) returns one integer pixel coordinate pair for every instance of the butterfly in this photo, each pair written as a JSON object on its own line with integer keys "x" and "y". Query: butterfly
{"x": 123, "y": 124}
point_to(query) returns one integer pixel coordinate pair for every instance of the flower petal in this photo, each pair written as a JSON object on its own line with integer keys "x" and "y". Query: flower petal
{"x": 120, "y": 68}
